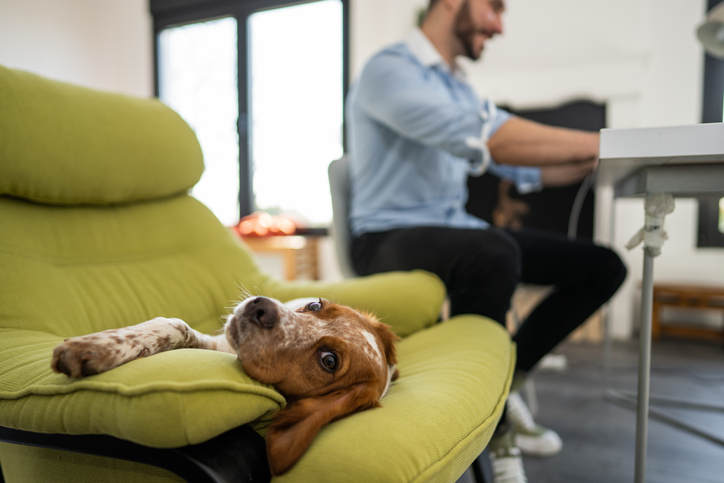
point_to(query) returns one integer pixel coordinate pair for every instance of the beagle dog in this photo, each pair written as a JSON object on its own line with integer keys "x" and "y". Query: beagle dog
{"x": 328, "y": 360}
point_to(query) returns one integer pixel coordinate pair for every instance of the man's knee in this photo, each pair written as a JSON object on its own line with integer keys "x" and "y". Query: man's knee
{"x": 612, "y": 268}
{"x": 602, "y": 271}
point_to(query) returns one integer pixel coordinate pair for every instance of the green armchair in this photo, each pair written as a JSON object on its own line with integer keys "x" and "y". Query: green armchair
{"x": 98, "y": 231}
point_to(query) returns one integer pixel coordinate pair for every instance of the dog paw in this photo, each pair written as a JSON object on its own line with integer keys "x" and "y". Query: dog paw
{"x": 83, "y": 356}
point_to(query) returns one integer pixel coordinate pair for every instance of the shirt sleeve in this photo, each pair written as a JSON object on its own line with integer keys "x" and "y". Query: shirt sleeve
{"x": 526, "y": 178}
{"x": 394, "y": 91}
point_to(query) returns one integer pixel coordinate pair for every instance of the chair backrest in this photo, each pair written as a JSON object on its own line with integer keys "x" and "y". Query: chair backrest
{"x": 339, "y": 184}
{"x": 97, "y": 230}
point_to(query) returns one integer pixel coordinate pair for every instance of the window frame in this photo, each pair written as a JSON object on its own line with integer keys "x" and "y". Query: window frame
{"x": 174, "y": 13}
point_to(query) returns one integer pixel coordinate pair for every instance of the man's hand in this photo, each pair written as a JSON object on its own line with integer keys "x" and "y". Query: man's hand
{"x": 566, "y": 174}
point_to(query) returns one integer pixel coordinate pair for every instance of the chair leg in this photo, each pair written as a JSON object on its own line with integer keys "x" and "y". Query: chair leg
{"x": 483, "y": 468}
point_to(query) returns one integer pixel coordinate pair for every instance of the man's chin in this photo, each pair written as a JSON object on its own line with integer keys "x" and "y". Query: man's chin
{"x": 473, "y": 55}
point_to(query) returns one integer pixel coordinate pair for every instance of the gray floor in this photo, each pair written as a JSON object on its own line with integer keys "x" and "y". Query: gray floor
{"x": 599, "y": 436}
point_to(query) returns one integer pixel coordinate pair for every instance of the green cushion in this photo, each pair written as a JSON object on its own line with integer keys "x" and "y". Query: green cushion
{"x": 61, "y": 143}
{"x": 162, "y": 401}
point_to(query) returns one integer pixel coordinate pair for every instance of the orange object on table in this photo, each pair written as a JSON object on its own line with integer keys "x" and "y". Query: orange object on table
{"x": 261, "y": 224}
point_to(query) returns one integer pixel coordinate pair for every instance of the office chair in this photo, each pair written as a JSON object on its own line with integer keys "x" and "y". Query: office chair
{"x": 340, "y": 186}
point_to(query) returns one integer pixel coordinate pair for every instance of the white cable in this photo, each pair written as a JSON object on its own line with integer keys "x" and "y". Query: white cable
{"x": 578, "y": 204}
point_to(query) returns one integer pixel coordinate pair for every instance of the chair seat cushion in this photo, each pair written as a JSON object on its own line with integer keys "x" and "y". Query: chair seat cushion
{"x": 438, "y": 416}
{"x": 172, "y": 399}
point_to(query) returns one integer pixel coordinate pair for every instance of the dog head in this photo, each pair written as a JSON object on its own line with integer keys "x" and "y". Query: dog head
{"x": 328, "y": 360}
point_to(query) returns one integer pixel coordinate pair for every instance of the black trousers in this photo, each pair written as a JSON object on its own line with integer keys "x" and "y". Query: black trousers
{"x": 481, "y": 268}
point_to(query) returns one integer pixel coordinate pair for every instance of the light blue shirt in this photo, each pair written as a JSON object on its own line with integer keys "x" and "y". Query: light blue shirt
{"x": 416, "y": 131}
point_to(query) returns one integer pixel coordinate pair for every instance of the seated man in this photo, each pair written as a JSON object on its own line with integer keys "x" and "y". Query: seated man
{"x": 416, "y": 131}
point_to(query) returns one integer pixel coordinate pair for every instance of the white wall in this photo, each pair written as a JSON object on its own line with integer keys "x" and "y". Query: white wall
{"x": 639, "y": 56}
{"x": 104, "y": 44}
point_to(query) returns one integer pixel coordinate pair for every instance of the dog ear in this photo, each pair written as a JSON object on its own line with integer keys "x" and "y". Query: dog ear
{"x": 388, "y": 338}
{"x": 385, "y": 334}
{"x": 295, "y": 426}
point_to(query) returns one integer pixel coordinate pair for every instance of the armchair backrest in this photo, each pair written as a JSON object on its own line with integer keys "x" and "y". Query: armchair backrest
{"x": 97, "y": 229}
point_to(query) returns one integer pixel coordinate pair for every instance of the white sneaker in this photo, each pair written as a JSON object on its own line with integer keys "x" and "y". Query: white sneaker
{"x": 506, "y": 460}
{"x": 532, "y": 439}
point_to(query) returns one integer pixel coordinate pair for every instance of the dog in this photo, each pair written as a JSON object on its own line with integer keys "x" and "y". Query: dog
{"x": 328, "y": 360}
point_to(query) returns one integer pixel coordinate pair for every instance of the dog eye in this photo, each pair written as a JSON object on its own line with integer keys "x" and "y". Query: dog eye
{"x": 314, "y": 306}
{"x": 328, "y": 360}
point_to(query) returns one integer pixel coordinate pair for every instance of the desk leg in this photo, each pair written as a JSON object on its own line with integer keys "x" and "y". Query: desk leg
{"x": 642, "y": 412}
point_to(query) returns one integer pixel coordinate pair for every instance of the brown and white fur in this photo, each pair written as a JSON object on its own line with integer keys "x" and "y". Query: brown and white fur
{"x": 328, "y": 360}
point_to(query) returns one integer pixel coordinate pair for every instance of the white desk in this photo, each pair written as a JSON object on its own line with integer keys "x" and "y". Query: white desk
{"x": 681, "y": 161}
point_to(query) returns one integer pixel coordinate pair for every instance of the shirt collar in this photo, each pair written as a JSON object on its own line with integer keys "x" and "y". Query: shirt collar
{"x": 427, "y": 54}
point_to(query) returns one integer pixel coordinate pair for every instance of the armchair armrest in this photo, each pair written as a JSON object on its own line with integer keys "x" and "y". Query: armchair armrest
{"x": 160, "y": 402}
{"x": 407, "y": 301}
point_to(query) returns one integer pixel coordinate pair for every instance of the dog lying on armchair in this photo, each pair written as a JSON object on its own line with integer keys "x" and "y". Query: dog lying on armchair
{"x": 328, "y": 360}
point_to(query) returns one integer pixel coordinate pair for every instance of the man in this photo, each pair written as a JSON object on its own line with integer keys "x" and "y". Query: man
{"x": 416, "y": 131}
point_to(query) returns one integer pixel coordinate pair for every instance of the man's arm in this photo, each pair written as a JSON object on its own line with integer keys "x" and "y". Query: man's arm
{"x": 526, "y": 143}
{"x": 566, "y": 174}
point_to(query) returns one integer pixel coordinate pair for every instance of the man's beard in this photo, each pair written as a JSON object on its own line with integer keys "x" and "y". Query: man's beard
{"x": 465, "y": 31}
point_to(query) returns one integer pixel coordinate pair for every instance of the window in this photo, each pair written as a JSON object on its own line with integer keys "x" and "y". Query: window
{"x": 262, "y": 84}
{"x": 197, "y": 78}
{"x": 296, "y": 98}
{"x": 711, "y": 222}
{"x": 711, "y": 209}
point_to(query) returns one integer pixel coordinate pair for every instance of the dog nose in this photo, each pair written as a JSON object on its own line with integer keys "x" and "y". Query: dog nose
{"x": 262, "y": 312}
